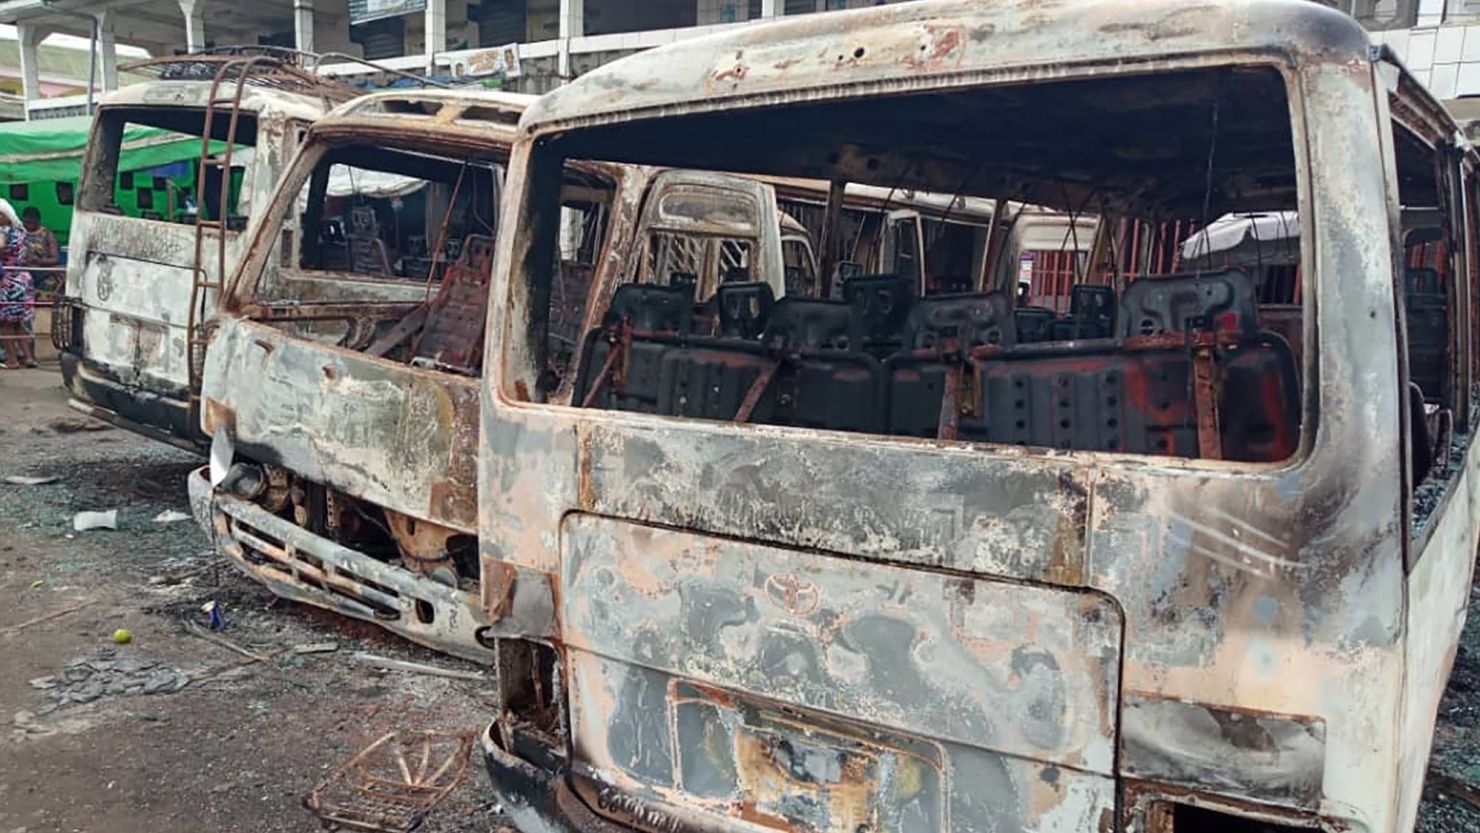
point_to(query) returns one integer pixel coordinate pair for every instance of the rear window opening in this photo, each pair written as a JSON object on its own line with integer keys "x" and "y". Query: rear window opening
{"x": 1116, "y": 343}
{"x": 146, "y": 163}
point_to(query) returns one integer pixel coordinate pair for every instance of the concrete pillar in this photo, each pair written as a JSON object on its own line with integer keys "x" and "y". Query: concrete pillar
{"x": 303, "y": 25}
{"x": 572, "y": 25}
{"x": 30, "y": 36}
{"x": 195, "y": 24}
{"x": 435, "y": 32}
{"x": 107, "y": 51}
{"x": 772, "y": 8}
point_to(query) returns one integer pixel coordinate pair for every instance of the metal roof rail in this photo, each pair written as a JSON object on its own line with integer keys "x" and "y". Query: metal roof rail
{"x": 269, "y": 67}
{"x": 278, "y": 67}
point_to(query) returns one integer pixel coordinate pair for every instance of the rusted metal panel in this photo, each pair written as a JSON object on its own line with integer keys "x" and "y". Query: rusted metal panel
{"x": 865, "y": 51}
{"x": 1020, "y": 519}
{"x": 388, "y": 433}
{"x": 926, "y": 701}
{"x": 193, "y": 93}
{"x": 1023, "y": 670}
{"x": 1253, "y": 755}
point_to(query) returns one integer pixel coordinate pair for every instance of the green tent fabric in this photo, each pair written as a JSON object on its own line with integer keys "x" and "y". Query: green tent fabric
{"x": 51, "y": 149}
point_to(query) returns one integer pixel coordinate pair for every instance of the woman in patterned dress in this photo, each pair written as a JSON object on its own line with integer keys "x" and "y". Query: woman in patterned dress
{"x": 17, "y": 293}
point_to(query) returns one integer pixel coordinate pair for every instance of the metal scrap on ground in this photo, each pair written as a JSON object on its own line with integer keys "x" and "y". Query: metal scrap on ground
{"x": 392, "y": 784}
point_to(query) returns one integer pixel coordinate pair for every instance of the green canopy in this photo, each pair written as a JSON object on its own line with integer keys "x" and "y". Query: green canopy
{"x": 51, "y": 149}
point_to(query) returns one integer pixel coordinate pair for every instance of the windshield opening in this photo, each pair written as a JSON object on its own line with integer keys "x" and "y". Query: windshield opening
{"x": 388, "y": 250}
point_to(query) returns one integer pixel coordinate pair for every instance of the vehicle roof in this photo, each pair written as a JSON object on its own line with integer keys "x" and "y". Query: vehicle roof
{"x": 468, "y": 114}
{"x": 899, "y": 46}
{"x": 429, "y": 101}
{"x": 194, "y": 93}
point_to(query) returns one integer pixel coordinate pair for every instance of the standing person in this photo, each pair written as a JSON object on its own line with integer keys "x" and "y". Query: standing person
{"x": 41, "y": 243}
{"x": 41, "y": 250}
{"x": 17, "y": 293}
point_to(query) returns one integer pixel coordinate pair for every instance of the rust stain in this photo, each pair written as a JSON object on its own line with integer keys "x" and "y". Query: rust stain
{"x": 455, "y": 502}
{"x": 736, "y": 73}
{"x": 585, "y": 489}
{"x": 219, "y": 415}
{"x": 940, "y": 45}
{"x": 1066, "y": 557}
{"x": 498, "y": 588}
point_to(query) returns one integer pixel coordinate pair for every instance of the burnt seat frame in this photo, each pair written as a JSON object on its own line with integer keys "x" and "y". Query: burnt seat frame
{"x": 1214, "y": 388}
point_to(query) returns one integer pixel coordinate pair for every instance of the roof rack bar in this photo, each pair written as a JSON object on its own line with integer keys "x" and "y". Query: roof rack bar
{"x": 422, "y": 79}
{"x": 266, "y": 67}
{"x": 287, "y": 57}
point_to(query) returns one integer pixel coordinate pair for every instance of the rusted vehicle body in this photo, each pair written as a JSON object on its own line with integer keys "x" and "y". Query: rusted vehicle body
{"x": 903, "y": 566}
{"x": 344, "y": 373}
{"x": 143, "y": 274}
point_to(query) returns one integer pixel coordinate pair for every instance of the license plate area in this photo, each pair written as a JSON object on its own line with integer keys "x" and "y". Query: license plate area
{"x": 763, "y": 764}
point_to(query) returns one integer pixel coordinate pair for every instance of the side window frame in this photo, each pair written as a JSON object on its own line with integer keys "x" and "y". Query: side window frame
{"x": 1430, "y": 495}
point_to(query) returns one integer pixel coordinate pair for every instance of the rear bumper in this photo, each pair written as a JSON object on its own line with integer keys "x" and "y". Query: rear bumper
{"x": 538, "y": 800}
{"x": 154, "y": 415}
{"x": 296, "y": 564}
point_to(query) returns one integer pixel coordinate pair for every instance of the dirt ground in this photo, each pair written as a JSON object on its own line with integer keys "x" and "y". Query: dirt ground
{"x": 242, "y": 742}
{"x": 226, "y": 743}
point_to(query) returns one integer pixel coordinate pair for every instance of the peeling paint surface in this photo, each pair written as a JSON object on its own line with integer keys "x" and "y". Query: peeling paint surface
{"x": 927, "y": 701}
{"x": 394, "y": 435}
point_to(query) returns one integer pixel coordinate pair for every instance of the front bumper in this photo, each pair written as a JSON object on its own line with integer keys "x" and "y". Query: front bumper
{"x": 296, "y": 564}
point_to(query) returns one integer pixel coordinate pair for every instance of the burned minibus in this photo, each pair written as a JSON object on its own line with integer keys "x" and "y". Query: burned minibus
{"x": 150, "y": 246}
{"x": 341, "y": 387}
{"x": 885, "y": 563}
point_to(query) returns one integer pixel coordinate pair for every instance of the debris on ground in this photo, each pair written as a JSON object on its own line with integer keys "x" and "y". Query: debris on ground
{"x": 388, "y": 664}
{"x": 393, "y": 783}
{"x": 215, "y": 616}
{"x": 47, "y": 617}
{"x": 29, "y": 480}
{"x": 84, "y": 521}
{"x": 171, "y": 516}
{"x": 196, "y": 630}
{"x": 86, "y": 679}
{"x": 74, "y": 426}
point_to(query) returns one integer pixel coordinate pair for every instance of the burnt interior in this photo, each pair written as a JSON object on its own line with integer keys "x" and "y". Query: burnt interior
{"x": 1180, "y": 364}
{"x": 389, "y": 252}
